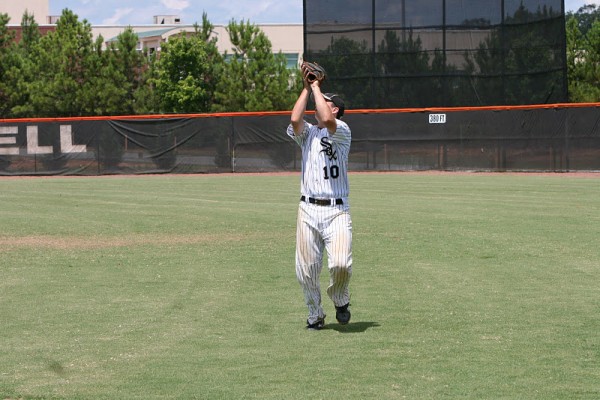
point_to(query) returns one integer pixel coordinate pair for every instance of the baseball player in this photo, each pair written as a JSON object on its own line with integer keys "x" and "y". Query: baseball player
{"x": 324, "y": 222}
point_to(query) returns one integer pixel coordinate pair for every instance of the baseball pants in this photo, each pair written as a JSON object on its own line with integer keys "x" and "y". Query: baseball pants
{"x": 319, "y": 229}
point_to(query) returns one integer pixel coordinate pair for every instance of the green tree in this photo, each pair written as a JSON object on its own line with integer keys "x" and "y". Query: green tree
{"x": 17, "y": 67}
{"x": 30, "y": 33}
{"x": 214, "y": 58}
{"x": 253, "y": 78}
{"x": 575, "y": 59}
{"x": 103, "y": 87}
{"x": 65, "y": 73}
{"x": 22, "y": 71}
{"x": 149, "y": 97}
{"x": 59, "y": 70}
{"x": 583, "y": 60}
{"x": 585, "y": 17}
{"x": 6, "y": 36}
{"x": 146, "y": 99}
{"x": 184, "y": 74}
{"x": 128, "y": 66}
{"x": 113, "y": 76}
{"x": 6, "y": 50}
{"x": 592, "y": 66}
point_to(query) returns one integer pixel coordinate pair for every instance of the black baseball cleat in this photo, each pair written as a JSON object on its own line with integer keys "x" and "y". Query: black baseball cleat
{"x": 342, "y": 314}
{"x": 317, "y": 326}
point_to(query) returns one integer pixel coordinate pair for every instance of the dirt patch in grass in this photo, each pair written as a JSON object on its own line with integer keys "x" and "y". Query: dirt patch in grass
{"x": 8, "y": 243}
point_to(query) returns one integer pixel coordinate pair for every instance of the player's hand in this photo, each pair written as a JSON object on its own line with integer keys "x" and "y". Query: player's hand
{"x": 315, "y": 84}
{"x": 305, "y": 80}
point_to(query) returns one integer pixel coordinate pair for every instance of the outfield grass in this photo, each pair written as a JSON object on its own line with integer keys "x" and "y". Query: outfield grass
{"x": 465, "y": 286}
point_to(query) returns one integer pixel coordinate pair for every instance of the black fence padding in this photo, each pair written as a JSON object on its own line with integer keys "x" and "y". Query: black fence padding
{"x": 551, "y": 138}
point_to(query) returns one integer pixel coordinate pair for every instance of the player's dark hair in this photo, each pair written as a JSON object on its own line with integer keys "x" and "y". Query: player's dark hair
{"x": 339, "y": 103}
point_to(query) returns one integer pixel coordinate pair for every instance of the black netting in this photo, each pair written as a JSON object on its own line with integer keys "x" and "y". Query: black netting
{"x": 427, "y": 53}
{"x": 491, "y": 139}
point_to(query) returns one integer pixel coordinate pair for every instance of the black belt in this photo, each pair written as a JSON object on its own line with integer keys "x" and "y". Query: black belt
{"x": 322, "y": 202}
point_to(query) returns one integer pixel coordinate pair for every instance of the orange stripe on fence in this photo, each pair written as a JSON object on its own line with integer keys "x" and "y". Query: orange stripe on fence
{"x": 148, "y": 117}
{"x": 270, "y": 113}
{"x": 479, "y": 108}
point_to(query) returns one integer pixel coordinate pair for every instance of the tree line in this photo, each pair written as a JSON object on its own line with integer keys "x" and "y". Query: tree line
{"x": 583, "y": 54}
{"x": 66, "y": 73}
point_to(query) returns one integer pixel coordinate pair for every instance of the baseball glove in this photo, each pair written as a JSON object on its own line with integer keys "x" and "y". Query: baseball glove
{"x": 313, "y": 72}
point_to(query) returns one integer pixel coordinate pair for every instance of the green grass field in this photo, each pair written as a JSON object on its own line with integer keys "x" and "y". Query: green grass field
{"x": 183, "y": 287}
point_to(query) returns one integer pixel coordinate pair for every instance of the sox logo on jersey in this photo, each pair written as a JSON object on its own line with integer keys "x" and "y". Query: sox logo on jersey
{"x": 328, "y": 149}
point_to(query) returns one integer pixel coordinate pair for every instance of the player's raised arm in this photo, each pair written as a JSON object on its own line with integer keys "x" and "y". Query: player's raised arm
{"x": 299, "y": 109}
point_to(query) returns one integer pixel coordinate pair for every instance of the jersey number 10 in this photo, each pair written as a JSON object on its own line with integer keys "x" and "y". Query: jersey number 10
{"x": 331, "y": 172}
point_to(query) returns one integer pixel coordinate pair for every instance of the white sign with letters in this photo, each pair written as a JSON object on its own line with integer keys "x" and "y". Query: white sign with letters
{"x": 437, "y": 118}
{"x": 8, "y": 136}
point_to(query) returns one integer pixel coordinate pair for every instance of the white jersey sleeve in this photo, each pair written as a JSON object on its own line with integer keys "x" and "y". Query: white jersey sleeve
{"x": 324, "y": 160}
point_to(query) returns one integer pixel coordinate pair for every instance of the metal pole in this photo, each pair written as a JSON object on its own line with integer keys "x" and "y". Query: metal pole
{"x": 373, "y": 44}
{"x": 502, "y": 52}
{"x": 304, "y": 49}
{"x": 231, "y": 143}
{"x": 444, "y": 78}
{"x": 565, "y": 93}
{"x": 404, "y": 21}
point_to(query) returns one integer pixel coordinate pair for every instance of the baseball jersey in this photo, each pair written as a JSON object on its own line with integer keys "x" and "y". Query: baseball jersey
{"x": 324, "y": 160}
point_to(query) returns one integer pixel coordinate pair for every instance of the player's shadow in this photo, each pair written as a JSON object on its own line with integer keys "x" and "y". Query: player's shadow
{"x": 352, "y": 327}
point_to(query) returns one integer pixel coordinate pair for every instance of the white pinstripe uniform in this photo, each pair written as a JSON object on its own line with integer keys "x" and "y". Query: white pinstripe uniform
{"x": 324, "y": 227}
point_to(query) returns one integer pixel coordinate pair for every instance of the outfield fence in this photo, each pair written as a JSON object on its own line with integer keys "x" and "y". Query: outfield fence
{"x": 557, "y": 137}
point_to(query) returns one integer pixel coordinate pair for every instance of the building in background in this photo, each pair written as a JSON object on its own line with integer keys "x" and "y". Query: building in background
{"x": 16, "y": 9}
{"x": 285, "y": 38}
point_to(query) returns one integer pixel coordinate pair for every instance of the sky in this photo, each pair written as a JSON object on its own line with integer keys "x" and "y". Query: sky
{"x": 219, "y": 12}
{"x": 574, "y": 5}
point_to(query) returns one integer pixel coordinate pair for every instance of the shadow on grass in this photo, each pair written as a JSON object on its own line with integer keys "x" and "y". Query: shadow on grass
{"x": 352, "y": 327}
